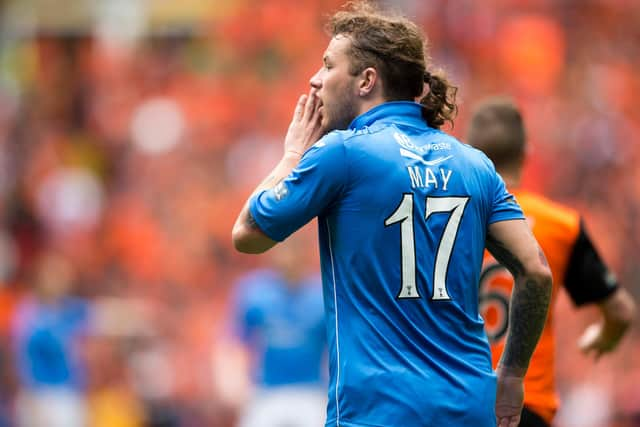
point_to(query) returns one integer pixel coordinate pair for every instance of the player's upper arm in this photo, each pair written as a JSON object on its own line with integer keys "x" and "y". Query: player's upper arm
{"x": 307, "y": 192}
{"x": 249, "y": 238}
{"x": 513, "y": 245}
{"x": 587, "y": 279}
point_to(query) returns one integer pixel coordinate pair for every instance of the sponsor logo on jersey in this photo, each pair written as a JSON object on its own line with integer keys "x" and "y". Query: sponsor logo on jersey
{"x": 405, "y": 142}
{"x": 411, "y": 151}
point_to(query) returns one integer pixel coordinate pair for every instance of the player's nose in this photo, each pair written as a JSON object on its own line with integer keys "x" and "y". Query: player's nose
{"x": 316, "y": 80}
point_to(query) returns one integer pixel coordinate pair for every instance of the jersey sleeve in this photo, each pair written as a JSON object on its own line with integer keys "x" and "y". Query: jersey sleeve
{"x": 504, "y": 206}
{"x": 587, "y": 278}
{"x": 306, "y": 193}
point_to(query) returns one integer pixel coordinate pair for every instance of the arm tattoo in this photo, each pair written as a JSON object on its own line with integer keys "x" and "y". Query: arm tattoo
{"x": 528, "y": 308}
{"x": 504, "y": 256}
{"x": 527, "y": 315}
{"x": 251, "y": 221}
{"x": 543, "y": 258}
{"x": 267, "y": 181}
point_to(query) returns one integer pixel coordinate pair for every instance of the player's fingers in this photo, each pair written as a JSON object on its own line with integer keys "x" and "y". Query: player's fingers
{"x": 587, "y": 345}
{"x": 311, "y": 103}
{"x": 300, "y": 105}
{"x": 316, "y": 113}
{"x": 591, "y": 351}
{"x": 508, "y": 421}
{"x": 585, "y": 348}
{"x": 598, "y": 354}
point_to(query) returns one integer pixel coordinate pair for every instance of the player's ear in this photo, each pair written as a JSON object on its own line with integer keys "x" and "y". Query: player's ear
{"x": 368, "y": 81}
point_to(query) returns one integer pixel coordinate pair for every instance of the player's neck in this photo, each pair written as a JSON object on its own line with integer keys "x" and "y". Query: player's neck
{"x": 369, "y": 102}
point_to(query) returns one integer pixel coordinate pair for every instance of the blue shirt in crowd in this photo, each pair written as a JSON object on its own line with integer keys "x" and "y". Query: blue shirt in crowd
{"x": 283, "y": 326}
{"x": 48, "y": 343}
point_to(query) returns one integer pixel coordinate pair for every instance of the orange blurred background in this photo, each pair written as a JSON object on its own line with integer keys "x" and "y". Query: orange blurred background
{"x": 132, "y": 131}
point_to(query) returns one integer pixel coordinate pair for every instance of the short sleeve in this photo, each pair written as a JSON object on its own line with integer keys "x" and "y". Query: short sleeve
{"x": 504, "y": 206}
{"x": 587, "y": 278}
{"x": 307, "y": 192}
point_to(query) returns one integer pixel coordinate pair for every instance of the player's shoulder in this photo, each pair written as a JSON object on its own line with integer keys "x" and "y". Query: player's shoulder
{"x": 418, "y": 139}
{"x": 475, "y": 156}
{"x": 331, "y": 144}
{"x": 336, "y": 137}
{"x": 548, "y": 212}
{"x": 473, "y": 161}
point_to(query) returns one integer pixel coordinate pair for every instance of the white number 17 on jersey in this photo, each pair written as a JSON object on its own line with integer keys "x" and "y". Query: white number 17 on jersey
{"x": 404, "y": 215}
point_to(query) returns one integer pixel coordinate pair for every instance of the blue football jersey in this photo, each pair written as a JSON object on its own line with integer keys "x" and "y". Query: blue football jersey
{"x": 282, "y": 324}
{"x": 403, "y": 211}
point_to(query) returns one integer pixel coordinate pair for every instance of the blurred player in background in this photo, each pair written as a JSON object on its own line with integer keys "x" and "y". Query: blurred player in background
{"x": 497, "y": 129}
{"x": 404, "y": 213}
{"x": 279, "y": 317}
{"x": 49, "y": 328}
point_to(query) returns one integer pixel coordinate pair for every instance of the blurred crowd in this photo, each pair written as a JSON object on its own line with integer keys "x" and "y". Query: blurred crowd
{"x": 126, "y": 151}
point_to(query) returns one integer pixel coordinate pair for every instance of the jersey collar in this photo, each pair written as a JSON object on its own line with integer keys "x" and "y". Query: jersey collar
{"x": 395, "y": 111}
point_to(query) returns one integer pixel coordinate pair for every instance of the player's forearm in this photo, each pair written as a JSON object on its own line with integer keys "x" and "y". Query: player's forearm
{"x": 514, "y": 246}
{"x": 246, "y": 235}
{"x": 305, "y": 129}
{"x": 281, "y": 171}
{"x": 618, "y": 312}
{"x": 527, "y": 315}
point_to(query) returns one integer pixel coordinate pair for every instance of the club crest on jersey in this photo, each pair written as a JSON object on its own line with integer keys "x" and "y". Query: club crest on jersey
{"x": 280, "y": 191}
{"x": 403, "y": 140}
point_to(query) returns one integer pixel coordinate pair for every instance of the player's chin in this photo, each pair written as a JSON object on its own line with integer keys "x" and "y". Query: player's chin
{"x": 324, "y": 130}
{"x": 325, "y": 123}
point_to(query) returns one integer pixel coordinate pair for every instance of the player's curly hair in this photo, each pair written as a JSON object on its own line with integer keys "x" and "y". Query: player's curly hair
{"x": 397, "y": 48}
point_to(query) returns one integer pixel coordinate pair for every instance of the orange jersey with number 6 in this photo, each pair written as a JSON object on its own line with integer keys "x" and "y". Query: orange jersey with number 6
{"x": 556, "y": 228}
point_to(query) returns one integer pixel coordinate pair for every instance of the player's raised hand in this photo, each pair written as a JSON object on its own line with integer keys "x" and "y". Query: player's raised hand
{"x": 618, "y": 311}
{"x": 509, "y": 399}
{"x": 596, "y": 340}
{"x": 305, "y": 128}
{"x": 591, "y": 342}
